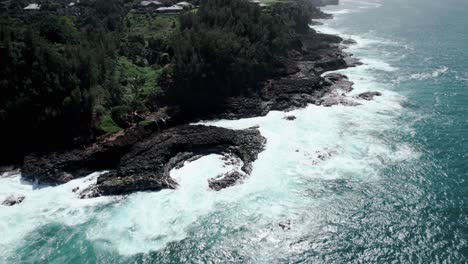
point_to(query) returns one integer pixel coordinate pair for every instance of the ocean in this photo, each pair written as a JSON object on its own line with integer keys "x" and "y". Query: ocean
{"x": 391, "y": 185}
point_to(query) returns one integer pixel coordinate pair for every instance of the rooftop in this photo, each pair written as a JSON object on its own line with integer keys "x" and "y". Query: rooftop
{"x": 171, "y": 8}
{"x": 33, "y": 7}
{"x": 151, "y": 2}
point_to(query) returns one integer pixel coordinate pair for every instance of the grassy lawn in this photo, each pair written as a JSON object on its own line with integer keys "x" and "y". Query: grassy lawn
{"x": 152, "y": 25}
{"x": 142, "y": 80}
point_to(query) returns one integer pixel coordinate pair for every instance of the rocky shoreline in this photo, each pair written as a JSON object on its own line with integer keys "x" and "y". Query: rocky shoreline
{"x": 298, "y": 82}
{"x": 141, "y": 158}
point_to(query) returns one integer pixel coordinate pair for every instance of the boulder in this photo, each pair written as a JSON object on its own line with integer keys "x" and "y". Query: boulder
{"x": 13, "y": 200}
{"x": 349, "y": 42}
{"x": 369, "y": 95}
{"x": 285, "y": 225}
{"x": 225, "y": 180}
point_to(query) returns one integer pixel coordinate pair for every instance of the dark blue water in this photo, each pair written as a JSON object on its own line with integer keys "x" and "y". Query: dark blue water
{"x": 428, "y": 222}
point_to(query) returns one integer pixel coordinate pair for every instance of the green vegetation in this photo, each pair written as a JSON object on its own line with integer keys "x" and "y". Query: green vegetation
{"x": 66, "y": 79}
{"x": 151, "y": 25}
{"x": 59, "y": 75}
{"x": 140, "y": 81}
{"x": 228, "y": 46}
{"x": 108, "y": 126}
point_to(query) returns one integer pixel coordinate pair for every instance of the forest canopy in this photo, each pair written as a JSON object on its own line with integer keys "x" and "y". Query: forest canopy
{"x": 66, "y": 79}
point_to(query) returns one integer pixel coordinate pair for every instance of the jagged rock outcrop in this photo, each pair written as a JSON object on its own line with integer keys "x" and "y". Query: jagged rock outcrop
{"x": 290, "y": 118}
{"x": 61, "y": 167}
{"x": 147, "y": 166}
{"x": 369, "y": 95}
{"x": 13, "y": 200}
{"x": 142, "y": 162}
{"x": 299, "y": 83}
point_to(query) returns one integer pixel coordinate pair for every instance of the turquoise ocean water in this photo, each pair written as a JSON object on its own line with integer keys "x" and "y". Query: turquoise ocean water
{"x": 394, "y": 190}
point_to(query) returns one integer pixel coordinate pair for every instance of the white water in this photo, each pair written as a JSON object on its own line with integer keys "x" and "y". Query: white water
{"x": 276, "y": 190}
{"x": 42, "y": 206}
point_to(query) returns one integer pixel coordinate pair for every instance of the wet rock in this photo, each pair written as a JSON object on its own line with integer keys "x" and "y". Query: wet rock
{"x": 61, "y": 167}
{"x": 338, "y": 83}
{"x": 369, "y": 95}
{"x": 349, "y": 42}
{"x": 334, "y": 77}
{"x": 352, "y": 62}
{"x": 13, "y": 200}
{"x": 316, "y": 23}
{"x": 297, "y": 83}
{"x": 147, "y": 166}
{"x": 338, "y": 100}
{"x": 226, "y": 180}
{"x": 338, "y": 86}
{"x": 286, "y": 225}
{"x": 323, "y": 155}
{"x": 141, "y": 159}
{"x": 9, "y": 171}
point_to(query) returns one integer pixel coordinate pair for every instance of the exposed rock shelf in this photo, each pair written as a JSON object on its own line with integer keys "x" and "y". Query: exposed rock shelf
{"x": 298, "y": 81}
{"x": 145, "y": 164}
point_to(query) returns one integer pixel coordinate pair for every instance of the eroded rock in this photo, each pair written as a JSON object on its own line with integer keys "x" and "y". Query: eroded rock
{"x": 285, "y": 225}
{"x": 290, "y": 117}
{"x": 349, "y": 42}
{"x": 226, "y": 180}
{"x": 147, "y": 166}
{"x": 369, "y": 95}
{"x": 13, "y": 200}
{"x": 141, "y": 159}
{"x": 323, "y": 155}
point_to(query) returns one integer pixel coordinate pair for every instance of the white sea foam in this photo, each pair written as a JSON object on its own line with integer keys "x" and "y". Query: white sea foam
{"x": 149, "y": 220}
{"x": 425, "y": 75}
{"x": 362, "y": 4}
{"x": 341, "y": 11}
{"x": 42, "y": 205}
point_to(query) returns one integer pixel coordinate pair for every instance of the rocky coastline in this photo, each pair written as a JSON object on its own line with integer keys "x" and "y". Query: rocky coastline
{"x": 140, "y": 158}
{"x": 298, "y": 81}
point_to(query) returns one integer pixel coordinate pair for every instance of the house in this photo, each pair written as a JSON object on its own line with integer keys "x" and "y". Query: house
{"x": 185, "y": 5}
{"x": 33, "y": 7}
{"x": 259, "y": 3}
{"x": 175, "y": 9}
{"x": 150, "y": 4}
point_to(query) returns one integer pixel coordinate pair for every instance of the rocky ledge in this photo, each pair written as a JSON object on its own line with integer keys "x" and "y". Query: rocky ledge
{"x": 142, "y": 160}
{"x": 298, "y": 81}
